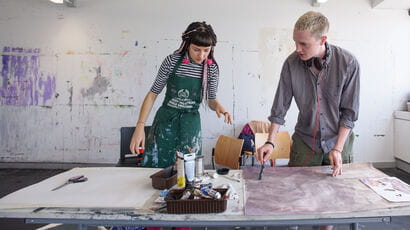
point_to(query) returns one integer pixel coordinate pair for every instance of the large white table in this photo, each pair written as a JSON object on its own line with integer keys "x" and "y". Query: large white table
{"x": 124, "y": 196}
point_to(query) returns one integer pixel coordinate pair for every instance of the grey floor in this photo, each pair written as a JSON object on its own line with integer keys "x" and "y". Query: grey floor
{"x": 14, "y": 179}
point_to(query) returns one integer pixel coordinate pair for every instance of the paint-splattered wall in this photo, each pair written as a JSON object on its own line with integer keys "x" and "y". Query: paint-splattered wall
{"x": 71, "y": 77}
{"x": 23, "y": 82}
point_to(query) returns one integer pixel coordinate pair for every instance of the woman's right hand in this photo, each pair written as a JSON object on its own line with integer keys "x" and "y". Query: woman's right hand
{"x": 138, "y": 139}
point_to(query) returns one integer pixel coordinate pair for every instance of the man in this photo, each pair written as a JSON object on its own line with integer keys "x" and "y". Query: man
{"x": 324, "y": 81}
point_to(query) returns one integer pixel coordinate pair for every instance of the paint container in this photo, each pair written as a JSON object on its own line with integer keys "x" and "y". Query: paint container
{"x": 186, "y": 194}
{"x": 209, "y": 185}
{"x": 180, "y": 170}
{"x": 222, "y": 171}
{"x": 210, "y": 192}
{"x": 199, "y": 167}
{"x": 189, "y": 167}
{"x": 140, "y": 150}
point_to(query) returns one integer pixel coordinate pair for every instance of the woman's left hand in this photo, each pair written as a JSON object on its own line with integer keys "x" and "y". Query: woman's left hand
{"x": 228, "y": 117}
{"x": 220, "y": 110}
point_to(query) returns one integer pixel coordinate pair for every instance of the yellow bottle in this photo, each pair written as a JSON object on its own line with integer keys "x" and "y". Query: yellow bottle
{"x": 180, "y": 170}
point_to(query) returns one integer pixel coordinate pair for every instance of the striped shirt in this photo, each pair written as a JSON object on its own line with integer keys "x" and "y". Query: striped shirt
{"x": 190, "y": 69}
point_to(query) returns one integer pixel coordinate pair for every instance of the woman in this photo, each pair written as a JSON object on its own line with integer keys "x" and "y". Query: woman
{"x": 191, "y": 76}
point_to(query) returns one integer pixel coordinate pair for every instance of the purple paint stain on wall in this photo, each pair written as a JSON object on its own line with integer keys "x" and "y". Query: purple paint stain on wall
{"x": 22, "y": 81}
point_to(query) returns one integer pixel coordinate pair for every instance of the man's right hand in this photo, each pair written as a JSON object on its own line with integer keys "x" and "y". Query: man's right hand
{"x": 264, "y": 152}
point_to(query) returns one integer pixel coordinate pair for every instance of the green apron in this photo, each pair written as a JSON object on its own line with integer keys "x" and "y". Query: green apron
{"x": 177, "y": 122}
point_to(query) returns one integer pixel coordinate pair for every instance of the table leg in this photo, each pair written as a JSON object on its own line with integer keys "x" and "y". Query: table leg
{"x": 354, "y": 226}
{"x": 82, "y": 227}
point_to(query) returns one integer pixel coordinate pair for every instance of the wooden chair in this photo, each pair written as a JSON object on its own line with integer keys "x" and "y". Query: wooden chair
{"x": 282, "y": 145}
{"x": 256, "y": 127}
{"x": 227, "y": 152}
{"x": 127, "y": 159}
{"x": 259, "y": 126}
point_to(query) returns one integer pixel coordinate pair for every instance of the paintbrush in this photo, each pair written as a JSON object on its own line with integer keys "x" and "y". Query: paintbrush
{"x": 261, "y": 172}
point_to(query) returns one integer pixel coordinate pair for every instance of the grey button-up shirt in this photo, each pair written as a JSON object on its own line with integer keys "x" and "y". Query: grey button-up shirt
{"x": 331, "y": 98}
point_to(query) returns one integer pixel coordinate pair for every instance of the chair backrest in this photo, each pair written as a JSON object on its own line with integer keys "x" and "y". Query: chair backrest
{"x": 125, "y": 140}
{"x": 227, "y": 151}
{"x": 282, "y": 144}
{"x": 259, "y": 126}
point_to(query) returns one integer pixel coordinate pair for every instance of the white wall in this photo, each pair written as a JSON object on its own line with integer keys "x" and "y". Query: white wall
{"x": 87, "y": 77}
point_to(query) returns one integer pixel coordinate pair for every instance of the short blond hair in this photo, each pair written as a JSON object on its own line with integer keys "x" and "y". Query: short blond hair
{"x": 314, "y": 22}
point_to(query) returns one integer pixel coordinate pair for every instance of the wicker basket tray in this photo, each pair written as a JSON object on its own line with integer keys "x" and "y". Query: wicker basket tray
{"x": 164, "y": 179}
{"x": 196, "y": 206}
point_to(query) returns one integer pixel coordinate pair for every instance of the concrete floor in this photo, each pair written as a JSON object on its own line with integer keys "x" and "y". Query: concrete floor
{"x": 14, "y": 179}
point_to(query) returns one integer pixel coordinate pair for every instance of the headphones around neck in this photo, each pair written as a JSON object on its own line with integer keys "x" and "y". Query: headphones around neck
{"x": 319, "y": 62}
{"x": 315, "y": 61}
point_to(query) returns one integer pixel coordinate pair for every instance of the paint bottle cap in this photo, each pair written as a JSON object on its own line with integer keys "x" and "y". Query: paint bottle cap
{"x": 140, "y": 150}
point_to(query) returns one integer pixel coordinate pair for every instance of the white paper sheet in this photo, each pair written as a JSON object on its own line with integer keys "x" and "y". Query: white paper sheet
{"x": 390, "y": 188}
{"x": 106, "y": 187}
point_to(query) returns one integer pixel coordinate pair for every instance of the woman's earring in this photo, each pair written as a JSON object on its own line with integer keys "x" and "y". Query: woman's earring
{"x": 209, "y": 61}
{"x": 185, "y": 60}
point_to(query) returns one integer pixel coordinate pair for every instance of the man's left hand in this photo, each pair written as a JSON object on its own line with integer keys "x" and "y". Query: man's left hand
{"x": 336, "y": 162}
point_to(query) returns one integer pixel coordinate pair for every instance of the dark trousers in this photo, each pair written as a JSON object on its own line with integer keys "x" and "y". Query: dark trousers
{"x": 300, "y": 152}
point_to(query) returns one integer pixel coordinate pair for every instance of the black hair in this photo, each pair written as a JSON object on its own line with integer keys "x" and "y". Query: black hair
{"x": 200, "y": 34}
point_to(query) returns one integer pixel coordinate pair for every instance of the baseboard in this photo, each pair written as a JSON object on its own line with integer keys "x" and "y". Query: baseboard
{"x": 382, "y": 165}
{"x": 50, "y": 165}
{"x": 403, "y": 165}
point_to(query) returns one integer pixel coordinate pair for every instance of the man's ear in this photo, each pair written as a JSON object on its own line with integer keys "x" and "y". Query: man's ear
{"x": 323, "y": 40}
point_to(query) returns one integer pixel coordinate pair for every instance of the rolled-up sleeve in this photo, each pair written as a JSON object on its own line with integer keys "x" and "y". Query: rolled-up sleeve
{"x": 283, "y": 97}
{"x": 349, "y": 106}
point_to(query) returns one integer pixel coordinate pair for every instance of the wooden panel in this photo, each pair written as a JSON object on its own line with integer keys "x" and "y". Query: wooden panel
{"x": 259, "y": 126}
{"x": 227, "y": 151}
{"x": 282, "y": 144}
{"x": 260, "y": 139}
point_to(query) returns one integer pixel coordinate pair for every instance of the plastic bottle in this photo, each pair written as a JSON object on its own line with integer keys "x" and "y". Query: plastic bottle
{"x": 180, "y": 170}
{"x": 190, "y": 167}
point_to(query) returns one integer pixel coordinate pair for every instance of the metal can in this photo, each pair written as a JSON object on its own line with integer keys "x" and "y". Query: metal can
{"x": 199, "y": 167}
